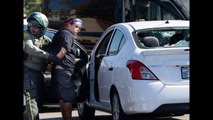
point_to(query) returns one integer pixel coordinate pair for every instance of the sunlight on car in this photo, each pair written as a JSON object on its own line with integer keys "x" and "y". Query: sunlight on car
{"x": 138, "y": 68}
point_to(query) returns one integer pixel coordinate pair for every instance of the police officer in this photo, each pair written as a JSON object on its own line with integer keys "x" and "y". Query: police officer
{"x": 35, "y": 44}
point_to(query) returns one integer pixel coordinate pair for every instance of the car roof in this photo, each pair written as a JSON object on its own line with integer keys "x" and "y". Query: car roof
{"x": 156, "y": 24}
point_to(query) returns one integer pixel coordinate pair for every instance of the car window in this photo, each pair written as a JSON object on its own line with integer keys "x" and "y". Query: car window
{"x": 123, "y": 41}
{"x": 50, "y": 34}
{"x": 167, "y": 38}
{"x": 118, "y": 41}
{"x": 101, "y": 51}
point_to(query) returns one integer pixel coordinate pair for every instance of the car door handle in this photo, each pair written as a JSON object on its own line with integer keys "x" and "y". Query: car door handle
{"x": 111, "y": 68}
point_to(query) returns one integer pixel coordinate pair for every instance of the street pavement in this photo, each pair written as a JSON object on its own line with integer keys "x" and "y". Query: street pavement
{"x": 51, "y": 112}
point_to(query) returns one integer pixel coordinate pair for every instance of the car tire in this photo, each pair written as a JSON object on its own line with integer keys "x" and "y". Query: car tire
{"x": 85, "y": 112}
{"x": 117, "y": 112}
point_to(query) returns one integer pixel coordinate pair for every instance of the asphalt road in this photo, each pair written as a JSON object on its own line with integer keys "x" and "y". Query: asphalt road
{"x": 51, "y": 112}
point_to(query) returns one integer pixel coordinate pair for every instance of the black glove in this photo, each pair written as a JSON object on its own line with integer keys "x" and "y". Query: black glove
{"x": 53, "y": 58}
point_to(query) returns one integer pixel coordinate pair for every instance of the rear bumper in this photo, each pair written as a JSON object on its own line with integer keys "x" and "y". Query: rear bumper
{"x": 155, "y": 97}
{"x": 181, "y": 108}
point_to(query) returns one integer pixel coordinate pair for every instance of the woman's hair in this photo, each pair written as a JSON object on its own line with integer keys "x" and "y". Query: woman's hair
{"x": 73, "y": 21}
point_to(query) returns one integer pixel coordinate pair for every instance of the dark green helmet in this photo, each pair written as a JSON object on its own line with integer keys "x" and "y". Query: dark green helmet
{"x": 41, "y": 19}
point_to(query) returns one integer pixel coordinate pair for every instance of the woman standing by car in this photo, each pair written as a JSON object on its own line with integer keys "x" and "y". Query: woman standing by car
{"x": 63, "y": 46}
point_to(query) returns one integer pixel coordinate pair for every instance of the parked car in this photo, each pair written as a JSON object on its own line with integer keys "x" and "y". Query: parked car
{"x": 133, "y": 70}
{"x": 50, "y": 95}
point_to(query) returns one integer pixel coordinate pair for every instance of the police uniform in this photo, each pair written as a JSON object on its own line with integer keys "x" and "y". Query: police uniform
{"x": 35, "y": 60}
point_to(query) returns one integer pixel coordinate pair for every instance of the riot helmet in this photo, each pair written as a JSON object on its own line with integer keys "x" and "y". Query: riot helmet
{"x": 38, "y": 20}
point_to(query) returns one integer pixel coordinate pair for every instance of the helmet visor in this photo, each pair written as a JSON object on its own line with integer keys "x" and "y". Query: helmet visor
{"x": 34, "y": 24}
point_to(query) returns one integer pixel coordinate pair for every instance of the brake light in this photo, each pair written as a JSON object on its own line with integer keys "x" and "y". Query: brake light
{"x": 139, "y": 71}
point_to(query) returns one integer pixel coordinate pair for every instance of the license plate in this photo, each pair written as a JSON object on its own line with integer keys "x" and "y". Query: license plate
{"x": 185, "y": 73}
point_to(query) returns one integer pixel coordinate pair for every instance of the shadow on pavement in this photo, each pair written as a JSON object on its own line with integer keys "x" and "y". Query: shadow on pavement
{"x": 77, "y": 118}
{"x": 108, "y": 117}
{"x": 48, "y": 109}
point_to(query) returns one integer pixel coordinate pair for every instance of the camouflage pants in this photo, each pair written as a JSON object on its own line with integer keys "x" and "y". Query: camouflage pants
{"x": 33, "y": 84}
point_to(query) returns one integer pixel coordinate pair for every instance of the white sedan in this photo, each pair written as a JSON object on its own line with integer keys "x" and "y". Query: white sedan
{"x": 139, "y": 68}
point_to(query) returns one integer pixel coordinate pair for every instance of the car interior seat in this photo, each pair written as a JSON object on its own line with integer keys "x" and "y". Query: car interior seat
{"x": 150, "y": 41}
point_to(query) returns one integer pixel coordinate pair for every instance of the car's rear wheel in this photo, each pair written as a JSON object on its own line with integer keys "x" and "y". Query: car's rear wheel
{"x": 85, "y": 112}
{"x": 117, "y": 112}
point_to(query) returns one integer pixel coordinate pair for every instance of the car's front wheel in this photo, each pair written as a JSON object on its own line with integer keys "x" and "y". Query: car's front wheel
{"x": 85, "y": 112}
